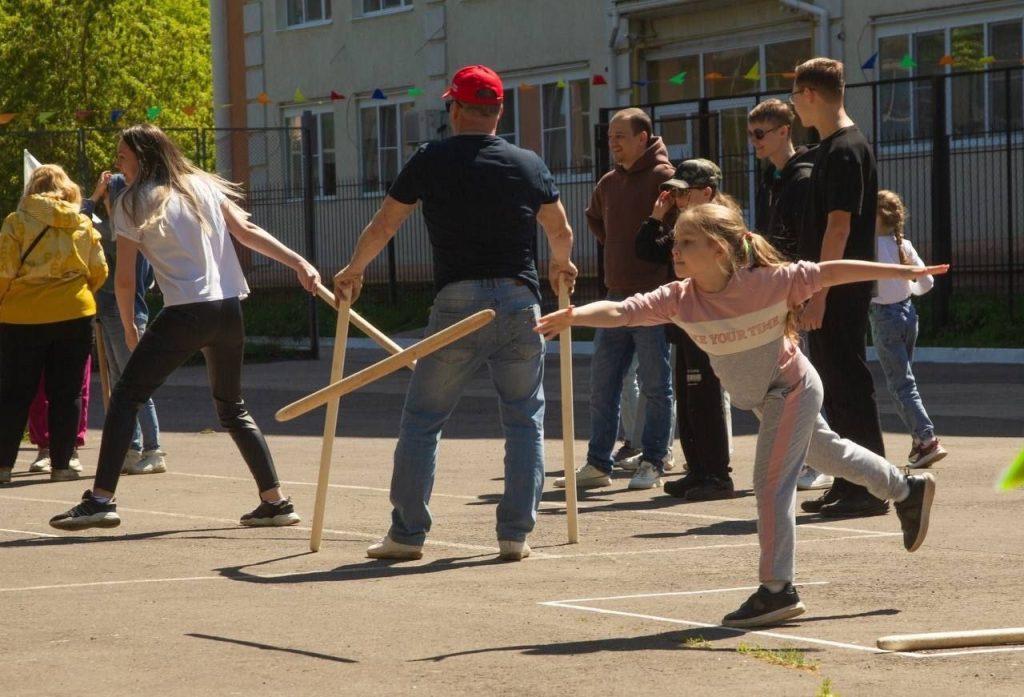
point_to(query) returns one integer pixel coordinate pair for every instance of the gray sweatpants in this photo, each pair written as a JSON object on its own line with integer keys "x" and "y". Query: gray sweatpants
{"x": 792, "y": 432}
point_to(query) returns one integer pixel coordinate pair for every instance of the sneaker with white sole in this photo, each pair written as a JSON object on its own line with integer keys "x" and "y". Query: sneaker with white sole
{"x": 588, "y": 477}
{"x": 510, "y": 550}
{"x": 130, "y": 458}
{"x": 389, "y": 549}
{"x": 75, "y": 463}
{"x": 765, "y": 608}
{"x": 811, "y": 479}
{"x": 647, "y": 476}
{"x": 90, "y": 513}
{"x": 42, "y": 461}
{"x": 926, "y": 454}
{"x": 271, "y": 515}
{"x": 149, "y": 462}
{"x": 64, "y": 475}
{"x": 627, "y": 457}
{"x": 669, "y": 463}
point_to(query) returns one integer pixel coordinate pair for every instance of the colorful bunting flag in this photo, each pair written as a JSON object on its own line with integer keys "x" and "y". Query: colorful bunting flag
{"x": 947, "y": 60}
{"x": 152, "y": 112}
{"x": 298, "y": 96}
{"x": 415, "y": 91}
{"x": 908, "y": 62}
{"x": 189, "y": 110}
{"x": 264, "y": 99}
{"x": 870, "y": 63}
{"x": 1013, "y": 477}
{"x": 598, "y": 80}
{"x": 714, "y": 75}
{"x": 335, "y": 96}
{"x": 678, "y": 78}
{"x": 560, "y": 84}
{"x": 754, "y": 73}
{"x": 83, "y": 114}
{"x": 641, "y": 83}
{"x": 45, "y": 116}
{"x": 6, "y": 118}
{"x": 378, "y": 94}
{"x": 115, "y": 115}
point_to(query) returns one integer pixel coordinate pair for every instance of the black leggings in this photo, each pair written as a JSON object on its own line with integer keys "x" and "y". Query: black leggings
{"x": 58, "y": 351}
{"x": 215, "y": 328}
{"x": 703, "y": 432}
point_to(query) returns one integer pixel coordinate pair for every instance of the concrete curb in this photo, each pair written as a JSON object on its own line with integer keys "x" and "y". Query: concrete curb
{"x": 922, "y": 354}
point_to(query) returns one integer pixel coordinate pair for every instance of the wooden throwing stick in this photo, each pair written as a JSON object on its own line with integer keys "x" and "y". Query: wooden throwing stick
{"x": 568, "y": 422}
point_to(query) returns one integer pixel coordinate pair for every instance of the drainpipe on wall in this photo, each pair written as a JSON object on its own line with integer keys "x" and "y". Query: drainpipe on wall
{"x": 613, "y": 60}
{"x": 221, "y": 117}
{"x": 821, "y": 18}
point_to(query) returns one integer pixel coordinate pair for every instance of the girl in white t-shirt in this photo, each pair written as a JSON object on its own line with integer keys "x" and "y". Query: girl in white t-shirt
{"x": 894, "y": 329}
{"x": 182, "y": 219}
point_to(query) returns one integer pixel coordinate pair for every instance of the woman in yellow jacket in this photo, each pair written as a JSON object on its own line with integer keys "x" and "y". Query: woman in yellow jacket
{"x": 50, "y": 264}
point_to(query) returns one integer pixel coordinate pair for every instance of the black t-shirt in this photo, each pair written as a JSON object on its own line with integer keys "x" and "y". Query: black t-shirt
{"x": 480, "y": 199}
{"x": 844, "y": 178}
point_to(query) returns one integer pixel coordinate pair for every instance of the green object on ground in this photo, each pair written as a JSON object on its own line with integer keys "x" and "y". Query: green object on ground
{"x": 1013, "y": 477}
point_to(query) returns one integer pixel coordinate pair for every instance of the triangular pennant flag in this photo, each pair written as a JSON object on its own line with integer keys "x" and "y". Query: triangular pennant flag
{"x": 908, "y": 62}
{"x": 947, "y": 60}
{"x": 870, "y": 63}
{"x": 263, "y": 99}
{"x": 6, "y": 118}
{"x": 335, "y": 96}
{"x": 713, "y": 75}
{"x": 641, "y": 83}
{"x": 152, "y": 112}
{"x": 678, "y": 78}
{"x": 115, "y": 115}
{"x": 987, "y": 60}
{"x": 29, "y": 165}
{"x": 83, "y": 114}
{"x": 45, "y": 116}
{"x": 378, "y": 94}
{"x": 1013, "y": 477}
{"x": 598, "y": 80}
{"x": 560, "y": 84}
{"x": 415, "y": 91}
{"x": 298, "y": 96}
{"x": 755, "y": 72}
{"x": 189, "y": 110}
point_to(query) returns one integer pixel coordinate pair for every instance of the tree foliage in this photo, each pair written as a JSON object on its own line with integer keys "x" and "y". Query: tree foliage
{"x": 92, "y": 57}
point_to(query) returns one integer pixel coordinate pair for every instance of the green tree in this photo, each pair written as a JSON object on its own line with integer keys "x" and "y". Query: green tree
{"x": 60, "y": 57}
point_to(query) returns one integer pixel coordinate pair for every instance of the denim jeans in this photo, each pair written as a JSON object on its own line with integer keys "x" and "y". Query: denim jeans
{"x": 613, "y": 351}
{"x": 634, "y": 404}
{"x": 894, "y": 332}
{"x": 514, "y": 355}
{"x": 147, "y": 427}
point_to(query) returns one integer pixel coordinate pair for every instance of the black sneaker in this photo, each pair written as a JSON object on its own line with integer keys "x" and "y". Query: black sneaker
{"x": 271, "y": 515}
{"x": 679, "y": 487}
{"x": 712, "y": 489}
{"x": 627, "y": 457}
{"x": 90, "y": 513}
{"x": 913, "y": 511}
{"x": 765, "y": 608}
{"x": 859, "y": 505}
{"x": 815, "y": 505}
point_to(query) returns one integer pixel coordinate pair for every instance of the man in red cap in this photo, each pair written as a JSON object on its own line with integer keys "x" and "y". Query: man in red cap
{"x": 482, "y": 199}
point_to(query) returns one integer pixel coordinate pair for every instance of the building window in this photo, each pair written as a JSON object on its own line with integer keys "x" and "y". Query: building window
{"x": 554, "y": 122}
{"x": 385, "y": 146}
{"x": 507, "y": 124}
{"x": 976, "y": 102}
{"x": 299, "y": 12}
{"x": 375, "y": 7}
{"x": 325, "y": 174}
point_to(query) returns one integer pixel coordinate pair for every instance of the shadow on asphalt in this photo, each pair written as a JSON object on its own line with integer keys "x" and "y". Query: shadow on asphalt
{"x": 270, "y": 647}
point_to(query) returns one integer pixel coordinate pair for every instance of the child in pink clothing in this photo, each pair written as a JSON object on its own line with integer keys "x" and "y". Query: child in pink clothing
{"x": 736, "y": 302}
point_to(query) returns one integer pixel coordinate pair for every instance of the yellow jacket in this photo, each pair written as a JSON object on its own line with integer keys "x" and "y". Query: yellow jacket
{"x": 57, "y": 280}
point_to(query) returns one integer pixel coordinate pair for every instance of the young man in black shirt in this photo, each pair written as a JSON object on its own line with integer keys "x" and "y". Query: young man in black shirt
{"x": 839, "y": 223}
{"x": 482, "y": 199}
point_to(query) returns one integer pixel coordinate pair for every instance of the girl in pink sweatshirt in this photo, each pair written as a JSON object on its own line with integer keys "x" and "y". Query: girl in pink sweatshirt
{"x": 736, "y": 301}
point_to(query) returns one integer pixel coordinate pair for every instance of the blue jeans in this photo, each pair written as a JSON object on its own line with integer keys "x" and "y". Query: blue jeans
{"x": 613, "y": 352}
{"x": 147, "y": 427}
{"x": 634, "y": 405}
{"x": 514, "y": 355}
{"x": 894, "y": 332}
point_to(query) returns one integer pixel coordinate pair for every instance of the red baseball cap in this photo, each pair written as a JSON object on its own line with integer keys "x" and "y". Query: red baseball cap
{"x": 476, "y": 84}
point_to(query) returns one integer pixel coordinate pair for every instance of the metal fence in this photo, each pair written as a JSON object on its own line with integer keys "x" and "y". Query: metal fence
{"x": 951, "y": 145}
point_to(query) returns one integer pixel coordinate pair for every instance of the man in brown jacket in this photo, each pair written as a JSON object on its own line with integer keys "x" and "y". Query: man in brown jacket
{"x": 620, "y": 203}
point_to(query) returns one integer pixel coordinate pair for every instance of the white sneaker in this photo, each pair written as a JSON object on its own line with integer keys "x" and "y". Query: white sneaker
{"x": 510, "y": 550}
{"x": 130, "y": 458}
{"x": 74, "y": 463}
{"x": 587, "y": 477}
{"x": 42, "y": 462}
{"x": 148, "y": 462}
{"x": 647, "y": 476}
{"x": 669, "y": 462}
{"x": 811, "y": 479}
{"x": 389, "y": 549}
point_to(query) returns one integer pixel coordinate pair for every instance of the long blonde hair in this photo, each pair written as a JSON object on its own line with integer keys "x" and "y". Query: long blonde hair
{"x": 53, "y": 182}
{"x": 163, "y": 169}
{"x": 744, "y": 249}
{"x": 894, "y": 216}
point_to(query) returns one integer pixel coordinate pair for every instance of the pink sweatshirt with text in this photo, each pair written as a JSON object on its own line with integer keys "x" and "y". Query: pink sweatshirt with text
{"x": 742, "y": 327}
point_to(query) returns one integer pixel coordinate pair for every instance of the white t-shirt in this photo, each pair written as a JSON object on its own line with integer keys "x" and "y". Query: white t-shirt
{"x": 896, "y": 290}
{"x": 190, "y": 265}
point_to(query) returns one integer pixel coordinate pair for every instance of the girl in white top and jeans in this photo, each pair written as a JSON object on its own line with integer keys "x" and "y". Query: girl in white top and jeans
{"x": 894, "y": 329}
{"x": 180, "y": 217}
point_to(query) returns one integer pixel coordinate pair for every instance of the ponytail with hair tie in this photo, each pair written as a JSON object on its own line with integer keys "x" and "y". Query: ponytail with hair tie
{"x": 747, "y": 251}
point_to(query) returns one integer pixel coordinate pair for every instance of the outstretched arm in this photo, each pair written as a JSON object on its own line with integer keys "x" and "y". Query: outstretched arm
{"x": 259, "y": 240}
{"x": 375, "y": 236}
{"x": 602, "y": 314}
{"x": 837, "y": 273}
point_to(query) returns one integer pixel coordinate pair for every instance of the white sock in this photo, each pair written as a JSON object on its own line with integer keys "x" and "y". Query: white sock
{"x": 774, "y": 586}
{"x": 101, "y": 499}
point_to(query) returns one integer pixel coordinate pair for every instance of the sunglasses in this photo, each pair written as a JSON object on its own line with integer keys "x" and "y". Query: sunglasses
{"x": 759, "y": 133}
{"x": 792, "y": 95}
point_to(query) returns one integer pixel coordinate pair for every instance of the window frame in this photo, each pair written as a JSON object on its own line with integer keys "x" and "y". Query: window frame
{"x": 325, "y": 8}
{"x": 318, "y": 111}
{"x": 376, "y": 104}
{"x": 360, "y": 13}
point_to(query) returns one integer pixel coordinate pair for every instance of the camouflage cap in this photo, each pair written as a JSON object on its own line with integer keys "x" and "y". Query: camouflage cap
{"x": 695, "y": 174}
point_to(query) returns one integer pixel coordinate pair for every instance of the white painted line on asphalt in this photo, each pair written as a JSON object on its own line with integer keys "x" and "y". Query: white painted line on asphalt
{"x": 332, "y": 486}
{"x": 28, "y": 532}
{"x": 90, "y": 584}
{"x": 669, "y": 593}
